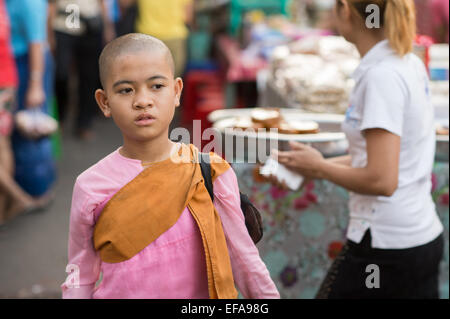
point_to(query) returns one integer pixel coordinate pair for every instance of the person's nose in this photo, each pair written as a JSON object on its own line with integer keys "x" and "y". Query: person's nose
{"x": 143, "y": 99}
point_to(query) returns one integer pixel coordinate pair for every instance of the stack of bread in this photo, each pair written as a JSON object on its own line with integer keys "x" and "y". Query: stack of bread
{"x": 271, "y": 118}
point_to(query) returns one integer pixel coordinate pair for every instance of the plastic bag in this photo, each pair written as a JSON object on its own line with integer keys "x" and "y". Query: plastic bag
{"x": 35, "y": 168}
{"x": 34, "y": 123}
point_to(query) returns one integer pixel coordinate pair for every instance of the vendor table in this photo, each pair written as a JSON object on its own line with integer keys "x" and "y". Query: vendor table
{"x": 305, "y": 230}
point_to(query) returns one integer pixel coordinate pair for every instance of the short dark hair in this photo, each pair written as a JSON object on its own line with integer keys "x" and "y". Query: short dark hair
{"x": 131, "y": 43}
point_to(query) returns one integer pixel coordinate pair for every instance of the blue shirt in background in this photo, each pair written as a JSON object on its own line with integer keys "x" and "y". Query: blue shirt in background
{"x": 113, "y": 10}
{"x": 28, "y": 20}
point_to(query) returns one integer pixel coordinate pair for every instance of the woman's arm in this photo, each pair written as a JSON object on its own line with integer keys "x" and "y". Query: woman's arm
{"x": 378, "y": 177}
{"x": 343, "y": 160}
{"x": 381, "y": 126}
{"x": 35, "y": 95}
{"x": 34, "y": 25}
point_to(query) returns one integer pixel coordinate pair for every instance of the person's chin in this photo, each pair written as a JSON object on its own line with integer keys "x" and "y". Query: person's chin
{"x": 145, "y": 135}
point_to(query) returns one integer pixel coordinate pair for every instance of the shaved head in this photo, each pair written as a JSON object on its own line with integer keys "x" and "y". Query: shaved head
{"x": 131, "y": 43}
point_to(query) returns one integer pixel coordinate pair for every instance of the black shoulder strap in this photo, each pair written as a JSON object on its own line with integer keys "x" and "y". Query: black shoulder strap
{"x": 205, "y": 167}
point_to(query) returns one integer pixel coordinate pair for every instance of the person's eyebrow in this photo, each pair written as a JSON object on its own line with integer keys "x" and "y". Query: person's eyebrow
{"x": 122, "y": 82}
{"x": 157, "y": 77}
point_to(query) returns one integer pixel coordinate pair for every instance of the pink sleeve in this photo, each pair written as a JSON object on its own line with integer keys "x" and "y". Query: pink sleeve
{"x": 84, "y": 263}
{"x": 250, "y": 273}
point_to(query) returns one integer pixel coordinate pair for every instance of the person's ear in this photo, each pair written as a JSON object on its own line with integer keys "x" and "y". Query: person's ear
{"x": 178, "y": 89}
{"x": 102, "y": 101}
{"x": 344, "y": 9}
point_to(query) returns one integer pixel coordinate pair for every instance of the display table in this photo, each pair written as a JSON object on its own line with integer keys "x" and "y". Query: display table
{"x": 305, "y": 230}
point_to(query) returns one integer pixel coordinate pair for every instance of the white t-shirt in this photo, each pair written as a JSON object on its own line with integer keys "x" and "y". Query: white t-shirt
{"x": 392, "y": 93}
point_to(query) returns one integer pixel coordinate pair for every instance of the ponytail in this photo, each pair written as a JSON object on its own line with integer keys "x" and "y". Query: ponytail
{"x": 400, "y": 25}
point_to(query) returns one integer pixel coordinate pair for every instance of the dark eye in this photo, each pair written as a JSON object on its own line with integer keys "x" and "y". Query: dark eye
{"x": 125, "y": 91}
{"x": 157, "y": 86}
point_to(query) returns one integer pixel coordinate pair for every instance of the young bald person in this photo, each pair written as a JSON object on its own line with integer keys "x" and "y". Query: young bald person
{"x": 142, "y": 215}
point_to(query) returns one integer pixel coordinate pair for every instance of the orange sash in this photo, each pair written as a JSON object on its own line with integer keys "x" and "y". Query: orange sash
{"x": 152, "y": 202}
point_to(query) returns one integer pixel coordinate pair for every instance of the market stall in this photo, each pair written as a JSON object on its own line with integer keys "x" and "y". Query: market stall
{"x": 242, "y": 57}
{"x": 305, "y": 230}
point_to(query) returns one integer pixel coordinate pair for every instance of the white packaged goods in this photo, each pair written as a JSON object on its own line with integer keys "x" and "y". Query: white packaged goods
{"x": 283, "y": 175}
{"x": 315, "y": 73}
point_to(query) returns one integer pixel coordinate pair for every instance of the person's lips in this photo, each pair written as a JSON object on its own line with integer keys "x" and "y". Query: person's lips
{"x": 144, "y": 119}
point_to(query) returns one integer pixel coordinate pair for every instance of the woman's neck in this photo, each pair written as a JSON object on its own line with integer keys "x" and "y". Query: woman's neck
{"x": 365, "y": 41}
{"x": 152, "y": 151}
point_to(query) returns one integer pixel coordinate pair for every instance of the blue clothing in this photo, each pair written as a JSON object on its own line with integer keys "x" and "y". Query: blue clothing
{"x": 35, "y": 169}
{"x": 113, "y": 10}
{"x": 28, "y": 20}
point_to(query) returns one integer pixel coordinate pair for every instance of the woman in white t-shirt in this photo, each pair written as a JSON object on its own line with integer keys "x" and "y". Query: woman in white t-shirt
{"x": 394, "y": 237}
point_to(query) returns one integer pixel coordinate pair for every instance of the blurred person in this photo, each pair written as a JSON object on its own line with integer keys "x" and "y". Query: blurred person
{"x": 167, "y": 20}
{"x": 171, "y": 244}
{"x": 128, "y": 14}
{"x": 123, "y": 14}
{"x": 433, "y": 19}
{"x": 80, "y": 28}
{"x": 390, "y": 128}
{"x": 113, "y": 12}
{"x": 424, "y": 23}
{"x": 35, "y": 169}
{"x": 13, "y": 199}
{"x": 440, "y": 11}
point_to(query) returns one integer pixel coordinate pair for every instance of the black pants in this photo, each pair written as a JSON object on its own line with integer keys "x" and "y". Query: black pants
{"x": 82, "y": 52}
{"x": 402, "y": 273}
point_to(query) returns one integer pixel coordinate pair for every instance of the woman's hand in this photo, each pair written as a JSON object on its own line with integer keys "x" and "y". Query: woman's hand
{"x": 302, "y": 159}
{"x": 35, "y": 96}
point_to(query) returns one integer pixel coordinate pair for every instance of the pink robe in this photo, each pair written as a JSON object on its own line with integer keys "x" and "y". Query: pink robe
{"x": 171, "y": 267}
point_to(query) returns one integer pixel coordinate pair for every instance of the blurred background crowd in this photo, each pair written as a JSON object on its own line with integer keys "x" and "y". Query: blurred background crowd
{"x": 49, "y": 70}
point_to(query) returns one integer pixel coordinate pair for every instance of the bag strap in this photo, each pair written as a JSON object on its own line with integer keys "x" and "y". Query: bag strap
{"x": 205, "y": 167}
{"x": 253, "y": 221}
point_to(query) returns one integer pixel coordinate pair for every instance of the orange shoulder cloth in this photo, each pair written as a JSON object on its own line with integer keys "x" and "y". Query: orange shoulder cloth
{"x": 152, "y": 202}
